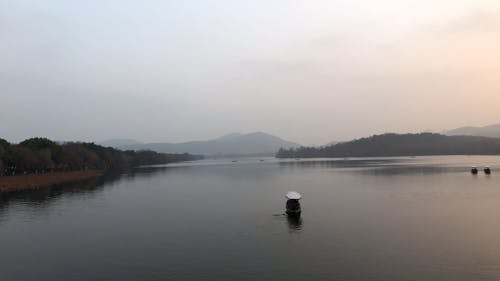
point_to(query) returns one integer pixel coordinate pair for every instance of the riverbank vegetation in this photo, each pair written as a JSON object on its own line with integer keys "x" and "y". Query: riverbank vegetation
{"x": 37, "y": 181}
{"x": 41, "y": 155}
{"x": 400, "y": 145}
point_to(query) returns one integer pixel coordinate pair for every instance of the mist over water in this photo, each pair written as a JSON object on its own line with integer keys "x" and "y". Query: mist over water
{"x": 423, "y": 218}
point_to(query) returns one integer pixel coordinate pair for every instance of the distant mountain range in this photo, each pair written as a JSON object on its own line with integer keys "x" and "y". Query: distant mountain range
{"x": 258, "y": 144}
{"x": 119, "y": 142}
{"x": 464, "y": 140}
{"x": 330, "y": 143}
{"x": 401, "y": 145}
{"x": 492, "y": 131}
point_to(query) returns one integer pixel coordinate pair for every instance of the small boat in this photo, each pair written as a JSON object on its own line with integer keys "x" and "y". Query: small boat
{"x": 473, "y": 170}
{"x": 293, "y": 204}
{"x": 234, "y": 161}
{"x": 487, "y": 170}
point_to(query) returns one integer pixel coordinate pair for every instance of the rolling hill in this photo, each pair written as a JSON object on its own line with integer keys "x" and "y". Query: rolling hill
{"x": 492, "y": 131}
{"x": 119, "y": 142}
{"x": 401, "y": 145}
{"x": 257, "y": 143}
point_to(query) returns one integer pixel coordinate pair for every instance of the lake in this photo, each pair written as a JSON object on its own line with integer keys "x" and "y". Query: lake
{"x": 408, "y": 218}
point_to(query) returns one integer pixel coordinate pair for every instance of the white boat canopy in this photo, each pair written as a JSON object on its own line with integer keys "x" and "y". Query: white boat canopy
{"x": 293, "y": 195}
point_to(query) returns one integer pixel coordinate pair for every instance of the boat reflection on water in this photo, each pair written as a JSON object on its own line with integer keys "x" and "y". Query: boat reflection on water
{"x": 294, "y": 223}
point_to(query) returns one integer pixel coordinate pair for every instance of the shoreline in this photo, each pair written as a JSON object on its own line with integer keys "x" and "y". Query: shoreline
{"x": 36, "y": 181}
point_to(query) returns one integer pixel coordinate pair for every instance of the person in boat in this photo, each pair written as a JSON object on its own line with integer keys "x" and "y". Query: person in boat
{"x": 292, "y": 204}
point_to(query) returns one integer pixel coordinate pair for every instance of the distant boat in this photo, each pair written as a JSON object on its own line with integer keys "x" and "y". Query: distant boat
{"x": 234, "y": 161}
{"x": 487, "y": 170}
{"x": 261, "y": 160}
{"x": 292, "y": 204}
{"x": 473, "y": 170}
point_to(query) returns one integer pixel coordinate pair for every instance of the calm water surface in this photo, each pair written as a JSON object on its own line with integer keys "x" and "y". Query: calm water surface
{"x": 424, "y": 218}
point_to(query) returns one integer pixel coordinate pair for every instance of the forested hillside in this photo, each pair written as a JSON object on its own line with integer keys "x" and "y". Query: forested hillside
{"x": 401, "y": 145}
{"x": 41, "y": 155}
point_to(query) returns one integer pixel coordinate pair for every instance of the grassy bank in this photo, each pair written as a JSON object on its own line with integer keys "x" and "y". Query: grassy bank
{"x": 35, "y": 181}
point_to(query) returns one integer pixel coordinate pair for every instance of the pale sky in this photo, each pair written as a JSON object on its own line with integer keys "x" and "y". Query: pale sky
{"x": 307, "y": 71}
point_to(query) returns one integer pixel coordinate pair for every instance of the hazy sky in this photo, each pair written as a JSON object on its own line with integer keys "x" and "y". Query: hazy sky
{"x": 308, "y": 71}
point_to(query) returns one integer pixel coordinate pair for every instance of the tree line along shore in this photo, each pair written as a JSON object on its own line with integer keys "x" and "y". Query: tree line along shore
{"x": 37, "y": 162}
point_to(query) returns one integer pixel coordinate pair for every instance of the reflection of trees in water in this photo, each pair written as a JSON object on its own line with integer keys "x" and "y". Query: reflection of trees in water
{"x": 383, "y": 167}
{"x": 338, "y": 163}
{"x": 149, "y": 171}
{"x": 406, "y": 170}
{"x": 44, "y": 197}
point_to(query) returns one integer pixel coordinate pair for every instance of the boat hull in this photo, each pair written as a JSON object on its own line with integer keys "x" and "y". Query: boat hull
{"x": 293, "y": 207}
{"x": 293, "y": 212}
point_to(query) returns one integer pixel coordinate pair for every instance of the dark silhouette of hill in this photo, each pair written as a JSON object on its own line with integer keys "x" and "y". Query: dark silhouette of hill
{"x": 41, "y": 155}
{"x": 233, "y": 144}
{"x": 401, "y": 145}
{"x": 492, "y": 131}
